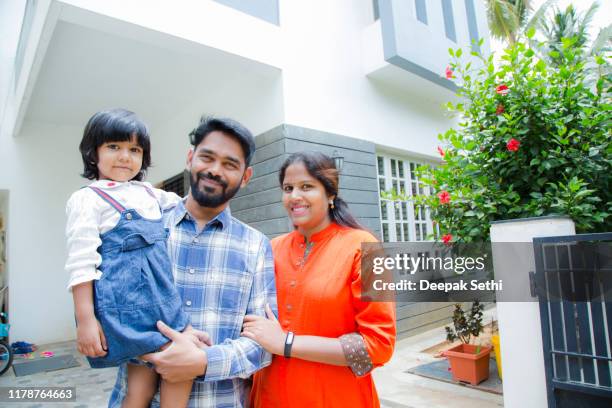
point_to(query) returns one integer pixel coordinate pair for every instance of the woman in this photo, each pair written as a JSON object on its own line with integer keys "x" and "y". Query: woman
{"x": 327, "y": 340}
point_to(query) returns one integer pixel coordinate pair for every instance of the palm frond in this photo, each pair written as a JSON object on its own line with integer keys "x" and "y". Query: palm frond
{"x": 587, "y": 18}
{"x": 538, "y": 16}
{"x": 602, "y": 41}
{"x": 522, "y": 9}
{"x": 503, "y": 22}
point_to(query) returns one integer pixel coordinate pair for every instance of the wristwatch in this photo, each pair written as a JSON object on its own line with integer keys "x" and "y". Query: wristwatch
{"x": 288, "y": 344}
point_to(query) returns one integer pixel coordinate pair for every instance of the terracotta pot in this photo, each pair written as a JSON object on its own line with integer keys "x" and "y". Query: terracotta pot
{"x": 468, "y": 366}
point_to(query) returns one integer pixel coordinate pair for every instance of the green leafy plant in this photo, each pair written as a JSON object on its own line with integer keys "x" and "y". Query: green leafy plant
{"x": 465, "y": 327}
{"x": 532, "y": 139}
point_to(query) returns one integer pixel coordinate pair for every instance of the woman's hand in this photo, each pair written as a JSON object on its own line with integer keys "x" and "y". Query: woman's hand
{"x": 265, "y": 331}
{"x": 90, "y": 338}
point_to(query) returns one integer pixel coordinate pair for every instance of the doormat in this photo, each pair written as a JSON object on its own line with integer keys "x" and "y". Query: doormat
{"x": 45, "y": 364}
{"x": 438, "y": 370}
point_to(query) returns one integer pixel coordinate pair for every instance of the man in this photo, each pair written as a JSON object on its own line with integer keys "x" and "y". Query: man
{"x": 223, "y": 270}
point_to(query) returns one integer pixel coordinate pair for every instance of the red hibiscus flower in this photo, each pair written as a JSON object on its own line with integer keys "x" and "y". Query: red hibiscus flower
{"x": 447, "y": 238}
{"x": 513, "y": 145}
{"x": 449, "y": 72}
{"x": 444, "y": 197}
{"x": 441, "y": 151}
{"x": 502, "y": 89}
{"x": 500, "y": 109}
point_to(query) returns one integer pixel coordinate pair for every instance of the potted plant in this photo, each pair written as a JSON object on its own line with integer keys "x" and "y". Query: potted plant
{"x": 468, "y": 362}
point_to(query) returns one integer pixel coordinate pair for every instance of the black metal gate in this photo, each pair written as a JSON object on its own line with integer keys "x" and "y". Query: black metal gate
{"x": 574, "y": 286}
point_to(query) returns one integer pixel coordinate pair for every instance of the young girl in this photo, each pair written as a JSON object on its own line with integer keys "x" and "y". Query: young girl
{"x": 120, "y": 272}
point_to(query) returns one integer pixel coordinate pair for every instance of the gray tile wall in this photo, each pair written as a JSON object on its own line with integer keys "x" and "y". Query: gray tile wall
{"x": 258, "y": 204}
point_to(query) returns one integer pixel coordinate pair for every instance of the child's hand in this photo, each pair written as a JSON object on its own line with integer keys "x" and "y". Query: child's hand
{"x": 90, "y": 338}
{"x": 198, "y": 337}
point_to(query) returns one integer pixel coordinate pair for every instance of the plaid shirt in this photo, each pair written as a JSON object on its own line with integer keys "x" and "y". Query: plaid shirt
{"x": 222, "y": 273}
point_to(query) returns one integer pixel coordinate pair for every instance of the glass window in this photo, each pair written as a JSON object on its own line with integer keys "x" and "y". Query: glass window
{"x": 383, "y": 209}
{"x": 402, "y": 220}
{"x": 381, "y": 184}
{"x": 175, "y": 184}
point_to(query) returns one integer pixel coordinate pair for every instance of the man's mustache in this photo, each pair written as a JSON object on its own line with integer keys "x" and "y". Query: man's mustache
{"x": 209, "y": 176}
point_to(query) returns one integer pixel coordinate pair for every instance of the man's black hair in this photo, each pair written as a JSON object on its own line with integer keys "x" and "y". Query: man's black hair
{"x": 230, "y": 127}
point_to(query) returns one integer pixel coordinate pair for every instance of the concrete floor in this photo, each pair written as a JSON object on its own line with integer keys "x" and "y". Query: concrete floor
{"x": 396, "y": 388}
{"x": 93, "y": 387}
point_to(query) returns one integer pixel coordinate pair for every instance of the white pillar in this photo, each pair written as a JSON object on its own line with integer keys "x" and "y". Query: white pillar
{"x": 520, "y": 332}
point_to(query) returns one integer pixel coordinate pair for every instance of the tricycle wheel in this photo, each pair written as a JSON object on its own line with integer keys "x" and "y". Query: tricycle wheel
{"x": 6, "y": 356}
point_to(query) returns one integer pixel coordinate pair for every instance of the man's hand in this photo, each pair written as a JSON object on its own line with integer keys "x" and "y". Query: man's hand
{"x": 181, "y": 361}
{"x": 90, "y": 338}
{"x": 198, "y": 337}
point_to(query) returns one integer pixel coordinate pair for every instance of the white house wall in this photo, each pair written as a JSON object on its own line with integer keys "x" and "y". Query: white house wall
{"x": 201, "y": 21}
{"x": 40, "y": 175}
{"x": 256, "y": 104}
{"x": 203, "y": 57}
{"x": 85, "y": 69}
{"x": 325, "y": 87}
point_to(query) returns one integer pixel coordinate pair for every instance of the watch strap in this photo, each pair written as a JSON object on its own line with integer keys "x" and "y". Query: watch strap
{"x": 288, "y": 344}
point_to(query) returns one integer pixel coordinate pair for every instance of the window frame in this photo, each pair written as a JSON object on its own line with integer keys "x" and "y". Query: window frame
{"x": 402, "y": 214}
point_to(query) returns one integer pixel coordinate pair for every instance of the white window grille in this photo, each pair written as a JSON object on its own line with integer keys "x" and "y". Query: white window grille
{"x": 402, "y": 220}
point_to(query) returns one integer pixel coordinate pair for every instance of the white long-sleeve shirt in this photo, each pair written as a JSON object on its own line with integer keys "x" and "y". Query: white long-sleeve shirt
{"x": 89, "y": 216}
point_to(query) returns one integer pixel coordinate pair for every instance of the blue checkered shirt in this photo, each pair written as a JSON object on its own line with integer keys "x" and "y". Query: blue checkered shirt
{"x": 222, "y": 273}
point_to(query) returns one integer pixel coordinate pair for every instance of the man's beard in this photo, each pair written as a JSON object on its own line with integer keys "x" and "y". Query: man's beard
{"x": 206, "y": 197}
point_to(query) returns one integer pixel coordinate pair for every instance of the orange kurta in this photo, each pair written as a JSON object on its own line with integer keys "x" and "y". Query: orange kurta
{"x": 320, "y": 297}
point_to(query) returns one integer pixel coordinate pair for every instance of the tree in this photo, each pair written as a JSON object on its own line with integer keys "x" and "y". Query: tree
{"x": 508, "y": 19}
{"x": 562, "y": 27}
{"x": 566, "y": 24}
{"x": 533, "y": 139}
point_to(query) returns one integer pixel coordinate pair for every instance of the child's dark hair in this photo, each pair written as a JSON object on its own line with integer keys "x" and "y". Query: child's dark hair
{"x": 114, "y": 125}
{"x": 323, "y": 168}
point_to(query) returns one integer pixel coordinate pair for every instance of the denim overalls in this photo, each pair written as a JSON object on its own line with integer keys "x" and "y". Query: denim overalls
{"x": 136, "y": 288}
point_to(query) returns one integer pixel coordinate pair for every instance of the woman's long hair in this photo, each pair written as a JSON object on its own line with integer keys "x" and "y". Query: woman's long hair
{"x": 323, "y": 168}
